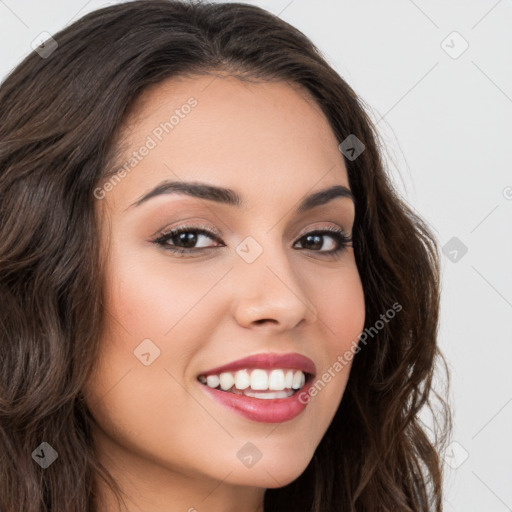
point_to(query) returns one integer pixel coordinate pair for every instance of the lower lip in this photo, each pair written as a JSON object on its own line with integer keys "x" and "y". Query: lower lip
{"x": 275, "y": 410}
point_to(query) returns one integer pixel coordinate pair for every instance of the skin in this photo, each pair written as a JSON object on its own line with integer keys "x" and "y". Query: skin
{"x": 172, "y": 447}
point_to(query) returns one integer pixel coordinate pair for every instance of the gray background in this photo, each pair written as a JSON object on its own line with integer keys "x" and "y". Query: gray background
{"x": 445, "y": 120}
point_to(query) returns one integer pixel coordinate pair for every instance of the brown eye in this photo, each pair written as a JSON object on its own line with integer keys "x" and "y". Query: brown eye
{"x": 314, "y": 241}
{"x": 185, "y": 239}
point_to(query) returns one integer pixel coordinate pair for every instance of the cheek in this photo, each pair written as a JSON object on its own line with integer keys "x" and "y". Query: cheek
{"x": 341, "y": 312}
{"x": 341, "y": 309}
{"x": 150, "y": 306}
{"x": 149, "y": 294}
{"x": 137, "y": 404}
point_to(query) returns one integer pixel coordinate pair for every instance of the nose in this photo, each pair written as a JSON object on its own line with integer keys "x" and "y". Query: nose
{"x": 269, "y": 292}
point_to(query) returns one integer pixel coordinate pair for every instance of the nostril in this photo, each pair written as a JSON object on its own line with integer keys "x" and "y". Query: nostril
{"x": 264, "y": 320}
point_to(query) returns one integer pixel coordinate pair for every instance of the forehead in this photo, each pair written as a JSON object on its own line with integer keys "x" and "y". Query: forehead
{"x": 261, "y": 138}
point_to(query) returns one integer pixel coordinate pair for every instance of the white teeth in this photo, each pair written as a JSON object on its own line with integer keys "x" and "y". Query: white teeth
{"x": 257, "y": 380}
{"x": 242, "y": 379}
{"x": 288, "y": 379}
{"x": 226, "y": 381}
{"x": 276, "y": 380}
{"x": 266, "y": 396}
{"x": 212, "y": 381}
{"x": 298, "y": 380}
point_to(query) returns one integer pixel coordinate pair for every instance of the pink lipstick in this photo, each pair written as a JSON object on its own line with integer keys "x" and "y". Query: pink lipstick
{"x": 262, "y": 387}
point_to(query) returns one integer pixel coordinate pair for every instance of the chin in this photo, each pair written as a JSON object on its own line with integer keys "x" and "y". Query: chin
{"x": 277, "y": 471}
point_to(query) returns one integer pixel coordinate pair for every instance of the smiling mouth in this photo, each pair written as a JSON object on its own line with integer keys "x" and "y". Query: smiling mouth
{"x": 258, "y": 383}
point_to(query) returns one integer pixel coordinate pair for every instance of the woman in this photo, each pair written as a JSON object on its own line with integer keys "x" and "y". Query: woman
{"x": 212, "y": 296}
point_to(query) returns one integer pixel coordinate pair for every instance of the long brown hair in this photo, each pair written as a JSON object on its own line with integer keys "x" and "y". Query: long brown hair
{"x": 59, "y": 118}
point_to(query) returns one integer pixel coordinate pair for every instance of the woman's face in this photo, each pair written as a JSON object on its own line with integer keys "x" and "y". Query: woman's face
{"x": 257, "y": 286}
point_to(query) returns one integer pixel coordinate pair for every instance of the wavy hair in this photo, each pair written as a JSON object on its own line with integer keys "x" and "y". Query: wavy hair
{"x": 60, "y": 117}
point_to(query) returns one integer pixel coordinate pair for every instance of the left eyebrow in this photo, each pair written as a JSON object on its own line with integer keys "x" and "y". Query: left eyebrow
{"x": 232, "y": 198}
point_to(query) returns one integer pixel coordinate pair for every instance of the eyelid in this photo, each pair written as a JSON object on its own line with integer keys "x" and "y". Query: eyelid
{"x": 323, "y": 227}
{"x": 199, "y": 225}
{"x": 195, "y": 225}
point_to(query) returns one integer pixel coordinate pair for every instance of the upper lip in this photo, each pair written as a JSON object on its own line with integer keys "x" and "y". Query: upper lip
{"x": 268, "y": 360}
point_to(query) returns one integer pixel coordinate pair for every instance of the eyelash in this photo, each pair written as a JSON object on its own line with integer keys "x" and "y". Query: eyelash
{"x": 337, "y": 234}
